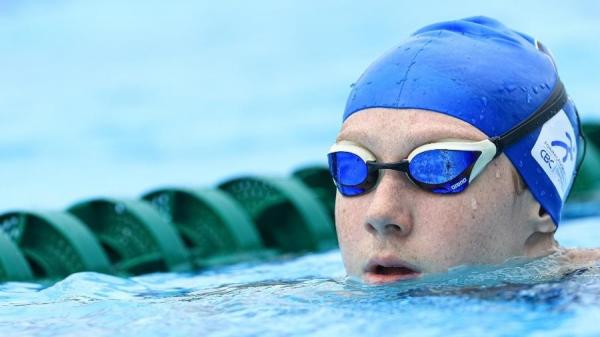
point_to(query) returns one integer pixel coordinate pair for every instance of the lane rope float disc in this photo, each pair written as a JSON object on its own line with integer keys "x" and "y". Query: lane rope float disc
{"x": 288, "y": 214}
{"x": 214, "y": 227}
{"x": 55, "y": 244}
{"x": 137, "y": 239}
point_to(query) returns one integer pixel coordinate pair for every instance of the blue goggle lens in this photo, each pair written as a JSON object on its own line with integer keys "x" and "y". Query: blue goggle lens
{"x": 347, "y": 168}
{"x": 351, "y": 191}
{"x": 436, "y": 167}
{"x": 439, "y": 171}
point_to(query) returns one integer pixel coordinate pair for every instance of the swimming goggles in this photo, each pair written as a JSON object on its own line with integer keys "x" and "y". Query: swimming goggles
{"x": 445, "y": 167}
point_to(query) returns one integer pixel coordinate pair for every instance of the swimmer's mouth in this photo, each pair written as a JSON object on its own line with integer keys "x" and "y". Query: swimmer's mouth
{"x": 388, "y": 269}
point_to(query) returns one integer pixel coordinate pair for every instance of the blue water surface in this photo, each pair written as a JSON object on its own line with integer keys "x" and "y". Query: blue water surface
{"x": 310, "y": 296}
{"x": 114, "y": 98}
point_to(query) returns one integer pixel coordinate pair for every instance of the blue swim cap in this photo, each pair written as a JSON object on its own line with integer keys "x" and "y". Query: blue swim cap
{"x": 480, "y": 71}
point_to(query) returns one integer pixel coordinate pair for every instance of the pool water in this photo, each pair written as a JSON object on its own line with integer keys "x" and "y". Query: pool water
{"x": 310, "y": 295}
{"x": 114, "y": 97}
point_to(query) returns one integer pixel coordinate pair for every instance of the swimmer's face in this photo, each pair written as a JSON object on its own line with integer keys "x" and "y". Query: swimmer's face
{"x": 398, "y": 231}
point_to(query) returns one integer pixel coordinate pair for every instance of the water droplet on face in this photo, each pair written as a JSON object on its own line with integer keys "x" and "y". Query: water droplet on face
{"x": 480, "y": 117}
{"x": 510, "y": 87}
{"x": 528, "y": 98}
{"x": 484, "y": 100}
{"x": 520, "y": 163}
{"x": 535, "y": 90}
{"x": 473, "y": 203}
{"x": 543, "y": 192}
{"x": 497, "y": 173}
{"x": 523, "y": 89}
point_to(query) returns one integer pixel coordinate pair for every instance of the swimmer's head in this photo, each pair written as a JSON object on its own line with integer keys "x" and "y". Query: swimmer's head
{"x": 467, "y": 80}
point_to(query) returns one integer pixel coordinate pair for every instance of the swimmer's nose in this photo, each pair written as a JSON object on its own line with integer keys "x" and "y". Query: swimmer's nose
{"x": 389, "y": 212}
{"x": 385, "y": 226}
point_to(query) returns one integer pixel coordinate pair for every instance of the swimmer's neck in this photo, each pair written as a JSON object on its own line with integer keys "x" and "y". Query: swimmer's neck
{"x": 541, "y": 244}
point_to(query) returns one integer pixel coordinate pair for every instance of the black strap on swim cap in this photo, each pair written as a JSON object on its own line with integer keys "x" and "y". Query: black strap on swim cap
{"x": 556, "y": 101}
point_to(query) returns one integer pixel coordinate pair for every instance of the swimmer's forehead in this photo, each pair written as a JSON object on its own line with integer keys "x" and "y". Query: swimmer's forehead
{"x": 415, "y": 128}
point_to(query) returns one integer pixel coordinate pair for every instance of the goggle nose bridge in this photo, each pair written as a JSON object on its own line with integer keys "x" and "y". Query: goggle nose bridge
{"x": 401, "y": 166}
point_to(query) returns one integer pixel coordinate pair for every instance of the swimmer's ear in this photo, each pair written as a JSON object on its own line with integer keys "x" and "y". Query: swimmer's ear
{"x": 541, "y": 241}
{"x": 543, "y": 221}
{"x": 539, "y": 220}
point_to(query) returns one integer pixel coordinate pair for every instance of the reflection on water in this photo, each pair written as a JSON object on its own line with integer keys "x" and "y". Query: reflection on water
{"x": 308, "y": 296}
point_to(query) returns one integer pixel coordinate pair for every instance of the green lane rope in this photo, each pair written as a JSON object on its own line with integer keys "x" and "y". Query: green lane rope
{"x": 55, "y": 244}
{"x": 13, "y": 266}
{"x": 214, "y": 227}
{"x": 135, "y": 236}
{"x": 288, "y": 215}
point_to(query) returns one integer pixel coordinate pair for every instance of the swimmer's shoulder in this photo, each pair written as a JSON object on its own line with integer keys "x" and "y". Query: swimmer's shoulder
{"x": 581, "y": 256}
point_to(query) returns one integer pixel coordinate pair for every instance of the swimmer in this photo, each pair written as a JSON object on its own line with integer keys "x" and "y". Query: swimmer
{"x": 458, "y": 147}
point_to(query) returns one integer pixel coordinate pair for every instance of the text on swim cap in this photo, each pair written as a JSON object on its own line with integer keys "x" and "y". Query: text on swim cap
{"x": 555, "y": 152}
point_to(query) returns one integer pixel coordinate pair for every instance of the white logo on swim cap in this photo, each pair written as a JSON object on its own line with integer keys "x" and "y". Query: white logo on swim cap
{"x": 555, "y": 151}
